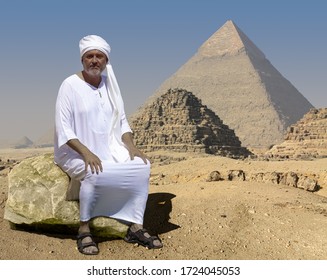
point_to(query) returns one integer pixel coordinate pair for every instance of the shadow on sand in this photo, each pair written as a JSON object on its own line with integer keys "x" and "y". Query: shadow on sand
{"x": 157, "y": 213}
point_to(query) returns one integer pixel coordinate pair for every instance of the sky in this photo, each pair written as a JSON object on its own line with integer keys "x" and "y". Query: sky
{"x": 150, "y": 40}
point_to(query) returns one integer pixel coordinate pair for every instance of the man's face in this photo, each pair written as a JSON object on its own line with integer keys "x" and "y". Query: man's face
{"x": 94, "y": 62}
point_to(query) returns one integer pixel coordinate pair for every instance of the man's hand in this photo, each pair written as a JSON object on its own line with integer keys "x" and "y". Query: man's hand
{"x": 127, "y": 138}
{"x": 93, "y": 161}
{"x": 89, "y": 158}
{"x": 135, "y": 152}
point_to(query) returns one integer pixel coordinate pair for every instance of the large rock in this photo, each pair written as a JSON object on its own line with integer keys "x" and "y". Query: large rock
{"x": 37, "y": 200}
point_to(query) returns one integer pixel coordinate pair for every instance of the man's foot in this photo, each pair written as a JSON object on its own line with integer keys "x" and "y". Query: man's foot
{"x": 142, "y": 237}
{"x": 86, "y": 244}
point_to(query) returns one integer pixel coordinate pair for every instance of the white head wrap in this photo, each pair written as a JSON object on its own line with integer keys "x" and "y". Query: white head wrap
{"x": 94, "y": 42}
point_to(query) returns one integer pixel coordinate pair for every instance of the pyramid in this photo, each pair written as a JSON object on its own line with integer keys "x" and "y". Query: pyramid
{"x": 178, "y": 121}
{"x": 235, "y": 80}
{"x": 307, "y": 139}
{"x": 22, "y": 143}
{"x": 46, "y": 140}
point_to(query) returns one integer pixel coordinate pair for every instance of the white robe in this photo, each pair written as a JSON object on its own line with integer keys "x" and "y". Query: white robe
{"x": 89, "y": 114}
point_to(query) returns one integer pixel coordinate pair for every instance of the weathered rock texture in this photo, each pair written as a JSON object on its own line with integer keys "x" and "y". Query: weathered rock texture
{"x": 306, "y": 139}
{"x": 37, "y": 200}
{"x": 178, "y": 121}
{"x": 234, "y": 78}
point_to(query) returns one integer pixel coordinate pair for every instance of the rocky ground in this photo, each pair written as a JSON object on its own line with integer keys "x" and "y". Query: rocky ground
{"x": 198, "y": 219}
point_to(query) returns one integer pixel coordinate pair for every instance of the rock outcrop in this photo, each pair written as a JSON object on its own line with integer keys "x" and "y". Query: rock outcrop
{"x": 236, "y": 81}
{"x": 178, "y": 121}
{"x": 37, "y": 200}
{"x": 307, "y": 139}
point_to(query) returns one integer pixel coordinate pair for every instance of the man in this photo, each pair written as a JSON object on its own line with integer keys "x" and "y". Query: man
{"x": 94, "y": 146}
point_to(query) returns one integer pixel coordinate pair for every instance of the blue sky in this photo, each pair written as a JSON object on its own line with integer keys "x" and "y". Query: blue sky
{"x": 150, "y": 40}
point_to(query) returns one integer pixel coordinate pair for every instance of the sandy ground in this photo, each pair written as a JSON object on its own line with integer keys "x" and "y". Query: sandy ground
{"x": 200, "y": 220}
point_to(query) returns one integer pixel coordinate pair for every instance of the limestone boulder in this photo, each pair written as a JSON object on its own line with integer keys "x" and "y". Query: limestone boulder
{"x": 37, "y": 201}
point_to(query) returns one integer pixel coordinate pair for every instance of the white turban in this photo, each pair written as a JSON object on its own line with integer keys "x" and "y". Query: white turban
{"x": 94, "y": 42}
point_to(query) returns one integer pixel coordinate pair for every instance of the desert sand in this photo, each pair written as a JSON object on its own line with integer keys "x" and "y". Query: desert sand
{"x": 200, "y": 220}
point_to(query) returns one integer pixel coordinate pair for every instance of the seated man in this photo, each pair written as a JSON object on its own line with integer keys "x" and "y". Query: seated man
{"x": 94, "y": 145}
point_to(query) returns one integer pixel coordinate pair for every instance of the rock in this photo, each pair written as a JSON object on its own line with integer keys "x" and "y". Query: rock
{"x": 214, "y": 176}
{"x": 290, "y": 179}
{"x": 37, "y": 201}
{"x": 307, "y": 184}
{"x": 236, "y": 175}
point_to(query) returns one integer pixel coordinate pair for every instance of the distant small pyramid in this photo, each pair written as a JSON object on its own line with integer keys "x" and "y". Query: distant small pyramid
{"x": 235, "y": 80}
{"x": 46, "y": 140}
{"x": 306, "y": 139}
{"x": 24, "y": 142}
{"x": 178, "y": 121}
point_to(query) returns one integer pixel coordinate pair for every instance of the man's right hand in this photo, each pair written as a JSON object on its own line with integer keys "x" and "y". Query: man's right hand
{"x": 93, "y": 161}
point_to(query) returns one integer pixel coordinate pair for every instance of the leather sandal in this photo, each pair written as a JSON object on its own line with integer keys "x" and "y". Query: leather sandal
{"x": 81, "y": 246}
{"x": 140, "y": 238}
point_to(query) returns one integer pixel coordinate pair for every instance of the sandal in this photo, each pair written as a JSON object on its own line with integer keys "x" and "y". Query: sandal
{"x": 140, "y": 238}
{"x": 81, "y": 246}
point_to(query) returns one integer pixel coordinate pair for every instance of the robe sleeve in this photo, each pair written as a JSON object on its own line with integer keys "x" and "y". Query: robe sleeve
{"x": 64, "y": 120}
{"x": 124, "y": 124}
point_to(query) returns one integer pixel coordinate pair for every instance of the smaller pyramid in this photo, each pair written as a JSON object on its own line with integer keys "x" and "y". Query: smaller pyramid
{"x": 22, "y": 143}
{"x": 46, "y": 140}
{"x": 306, "y": 139}
{"x": 178, "y": 121}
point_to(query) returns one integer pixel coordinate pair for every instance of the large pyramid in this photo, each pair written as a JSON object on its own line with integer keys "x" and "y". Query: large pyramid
{"x": 235, "y": 80}
{"x": 178, "y": 121}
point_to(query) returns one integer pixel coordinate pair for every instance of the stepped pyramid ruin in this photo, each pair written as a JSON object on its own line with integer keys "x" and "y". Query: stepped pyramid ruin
{"x": 306, "y": 139}
{"x": 178, "y": 121}
{"x": 235, "y": 80}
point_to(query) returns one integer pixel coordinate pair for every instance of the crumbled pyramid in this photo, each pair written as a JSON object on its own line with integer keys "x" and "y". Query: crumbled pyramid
{"x": 178, "y": 121}
{"x": 306, "y": 139}
{"x": 235, "y": 80}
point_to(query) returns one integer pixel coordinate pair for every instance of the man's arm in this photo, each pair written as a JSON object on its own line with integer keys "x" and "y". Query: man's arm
{"x": 127, "y": 139}
{"x": 89, "y": 158}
